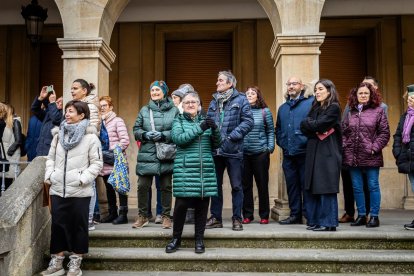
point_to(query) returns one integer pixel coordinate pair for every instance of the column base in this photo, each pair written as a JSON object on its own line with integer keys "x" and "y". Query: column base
{"x": 281, "y": 210}
{"x": 408, "y": 202}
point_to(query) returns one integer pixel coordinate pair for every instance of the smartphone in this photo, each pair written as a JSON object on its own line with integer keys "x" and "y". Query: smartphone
{"x": 49, "y": 89}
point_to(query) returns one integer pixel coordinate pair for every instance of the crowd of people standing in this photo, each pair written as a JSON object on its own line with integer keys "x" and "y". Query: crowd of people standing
{"x": 188, "y": 150}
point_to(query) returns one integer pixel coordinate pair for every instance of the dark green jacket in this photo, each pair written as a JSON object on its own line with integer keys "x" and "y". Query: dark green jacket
{"x": 164, "y": 113}
{"x": 194, "y": 172}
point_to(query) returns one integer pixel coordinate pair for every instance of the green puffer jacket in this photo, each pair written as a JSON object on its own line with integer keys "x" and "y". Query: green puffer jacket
{"x": 164, "y": 113}
{"x": 194, "y": 172}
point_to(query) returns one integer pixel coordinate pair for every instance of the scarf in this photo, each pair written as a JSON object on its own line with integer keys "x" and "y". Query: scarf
{"x": 408, "y": 124}
{"x": 224, "y": 97}
{"x": 108, "y": 116}
{"x": 70, "y": 135}
{"x": 360, "y": 107}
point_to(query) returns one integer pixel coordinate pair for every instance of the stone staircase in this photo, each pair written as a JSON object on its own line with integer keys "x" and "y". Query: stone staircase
{"x": 388, "y": 249}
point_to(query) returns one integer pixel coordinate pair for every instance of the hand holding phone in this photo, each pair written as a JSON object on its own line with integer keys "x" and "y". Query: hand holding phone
{"x": 50, "y": 89}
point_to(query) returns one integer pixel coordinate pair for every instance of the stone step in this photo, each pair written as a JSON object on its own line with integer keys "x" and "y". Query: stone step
{"x": 192, "y": 273}
{"x": 268, "y": 236}
{"x": 251, "y": 260}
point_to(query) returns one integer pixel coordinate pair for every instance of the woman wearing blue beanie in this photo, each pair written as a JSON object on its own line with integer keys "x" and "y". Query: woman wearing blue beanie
{"x": 153, "y": 125}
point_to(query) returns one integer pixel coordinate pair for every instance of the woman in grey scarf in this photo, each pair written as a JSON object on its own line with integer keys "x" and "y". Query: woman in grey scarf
{"x": 73, "y": 163}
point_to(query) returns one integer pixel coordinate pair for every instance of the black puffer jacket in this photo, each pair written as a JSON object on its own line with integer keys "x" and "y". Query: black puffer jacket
{"x": 403, "y": 153}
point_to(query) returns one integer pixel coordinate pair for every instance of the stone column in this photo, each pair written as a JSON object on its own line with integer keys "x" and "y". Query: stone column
{"x": 86, "y": 58}
{"x": 294, "y": 55}
{"x": 408, "y": 196}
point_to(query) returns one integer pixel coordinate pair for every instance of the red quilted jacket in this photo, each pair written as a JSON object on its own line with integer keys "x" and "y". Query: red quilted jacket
{"x": 364, "y": 136}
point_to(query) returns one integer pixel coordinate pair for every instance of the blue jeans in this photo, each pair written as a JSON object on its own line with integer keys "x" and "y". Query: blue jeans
{"x": 373, "y": 186}
{"x": 235, "y": 171}
{"x": 411, "y": 177}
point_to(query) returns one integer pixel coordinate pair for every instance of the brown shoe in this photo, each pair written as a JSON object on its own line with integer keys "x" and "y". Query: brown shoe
{"x": 346, "y": 218}
{"x": 166, "y": 222}
{"x": 141, "y": 222}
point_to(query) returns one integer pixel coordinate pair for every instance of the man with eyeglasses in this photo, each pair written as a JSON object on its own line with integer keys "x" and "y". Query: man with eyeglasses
{"x": 293, "y": 143}
{"x": 231, "y": 112}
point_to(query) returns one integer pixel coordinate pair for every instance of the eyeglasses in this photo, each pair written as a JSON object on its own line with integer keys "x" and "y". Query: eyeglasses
{"x": 190, "y": 102}
{"x": 292, "y": 83}
{"x": 104, "y": 106}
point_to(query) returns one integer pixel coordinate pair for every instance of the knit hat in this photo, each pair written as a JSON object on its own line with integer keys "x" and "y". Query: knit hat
{"x": 182, "y": 90}
{"x": 410, "y": 88}
{"x": 161, "y": 84}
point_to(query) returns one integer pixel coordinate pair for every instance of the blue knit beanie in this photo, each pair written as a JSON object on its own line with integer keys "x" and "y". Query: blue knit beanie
{"x": 161, "y": 84}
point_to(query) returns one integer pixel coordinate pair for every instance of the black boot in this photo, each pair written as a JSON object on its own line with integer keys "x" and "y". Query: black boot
{"x": 113, "y": 214}
{"x": 373, "y": 222}
{"x": 122, "y": 218}
{"x": 361, "y": 220}
{"x": 199, "y": 246}
{"x": 173, "y": 245}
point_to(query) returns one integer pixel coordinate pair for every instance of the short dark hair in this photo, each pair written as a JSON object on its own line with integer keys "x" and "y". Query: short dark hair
{"x": 371, "y": 78}
{"x": 81, "y": 107}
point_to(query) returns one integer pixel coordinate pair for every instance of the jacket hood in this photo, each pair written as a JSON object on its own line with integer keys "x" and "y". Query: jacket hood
{"x": 163, "y": 105}
{"x": 307, "y": 90}
{"x": 89, "y": 130}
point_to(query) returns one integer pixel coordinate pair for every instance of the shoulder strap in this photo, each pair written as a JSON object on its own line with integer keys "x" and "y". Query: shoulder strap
{"x": 264, "y": 117}
{"x": 151, "y": 119}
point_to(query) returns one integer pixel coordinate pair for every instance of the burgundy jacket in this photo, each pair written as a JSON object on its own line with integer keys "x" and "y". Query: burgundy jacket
{"x": 364, "y": 133}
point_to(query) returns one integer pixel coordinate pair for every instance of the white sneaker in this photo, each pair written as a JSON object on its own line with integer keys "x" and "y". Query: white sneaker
{"x": 158, "y": 219}
{"x": 74, "y": 266}
{"x": 91, "y": 226}
{"x": 55, "y": 266}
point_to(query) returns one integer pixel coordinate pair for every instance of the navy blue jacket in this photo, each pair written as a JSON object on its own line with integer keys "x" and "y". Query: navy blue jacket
{"x": 237, "y": 122}
{"x": 32, "y": 139}
{"x": 288, "y": 134}
{"x": 262, "y": 136}
{"x": 51, "y": 117}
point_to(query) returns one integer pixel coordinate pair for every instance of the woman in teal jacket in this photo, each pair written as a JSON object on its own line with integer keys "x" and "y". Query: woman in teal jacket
{"x": 194, "y": 173}
{"x": 148, "y": 165}
{"x": 259, "y": 143}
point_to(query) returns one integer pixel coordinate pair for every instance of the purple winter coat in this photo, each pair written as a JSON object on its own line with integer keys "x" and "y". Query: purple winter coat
{"x": 362, "y": 134}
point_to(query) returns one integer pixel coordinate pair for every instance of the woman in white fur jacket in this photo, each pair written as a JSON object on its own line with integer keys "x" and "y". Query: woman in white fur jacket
{"x": 73, "y": 163}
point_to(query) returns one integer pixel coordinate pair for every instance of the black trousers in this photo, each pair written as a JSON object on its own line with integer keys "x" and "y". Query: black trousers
{"x": 200, "y": 213}
{"x": 7, "y": 182}
{"x": 111, "y": 195}
{"x": 349, "y": 200}
{"x": 256, "y": 166}
{"x": 69, "y": 224}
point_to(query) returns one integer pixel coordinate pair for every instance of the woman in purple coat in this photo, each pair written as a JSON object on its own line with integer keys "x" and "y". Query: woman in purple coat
{"x": 365, "y": 134}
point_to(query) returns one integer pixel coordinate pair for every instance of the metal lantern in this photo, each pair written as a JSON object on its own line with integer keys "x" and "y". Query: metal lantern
{"x": 34, "y": 16}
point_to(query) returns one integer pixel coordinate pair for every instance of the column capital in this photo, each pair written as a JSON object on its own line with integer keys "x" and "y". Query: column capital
{"x": 87, "y": 48}
{"x": 296, "y": 45}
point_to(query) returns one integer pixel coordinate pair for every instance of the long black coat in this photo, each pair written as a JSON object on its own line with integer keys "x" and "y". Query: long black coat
{"x": 323, "y": 157}
{"x": 403, "y": 153}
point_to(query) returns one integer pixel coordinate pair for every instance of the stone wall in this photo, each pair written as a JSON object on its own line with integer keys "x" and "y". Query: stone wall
{"x": 24, "y": 223}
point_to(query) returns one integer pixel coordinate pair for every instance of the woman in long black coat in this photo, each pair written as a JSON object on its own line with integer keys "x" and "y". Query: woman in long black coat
{"x": 323, "y": 158}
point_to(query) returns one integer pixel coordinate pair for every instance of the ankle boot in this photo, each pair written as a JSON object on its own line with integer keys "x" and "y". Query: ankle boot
{"x": 361, "y": 220}
{"x": 373, "y": 222}
{"x": 199, "y": 246}
{"x": 113, "y": 214}
{"x": 122, "y": 218}
{"x": 173, "y": 245}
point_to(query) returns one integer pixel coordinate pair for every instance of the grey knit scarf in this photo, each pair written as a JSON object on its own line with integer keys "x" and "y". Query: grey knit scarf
{"x": 223, "y": 97}
{"x": 70, "y": 135}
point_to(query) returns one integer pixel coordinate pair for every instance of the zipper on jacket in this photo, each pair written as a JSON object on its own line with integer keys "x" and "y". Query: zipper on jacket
{"x": 64, "y": 173}
{"x": 201, "y": 167}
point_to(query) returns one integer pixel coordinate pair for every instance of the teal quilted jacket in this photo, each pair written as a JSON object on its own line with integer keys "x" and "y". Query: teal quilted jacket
{"x": 194, "y": 172}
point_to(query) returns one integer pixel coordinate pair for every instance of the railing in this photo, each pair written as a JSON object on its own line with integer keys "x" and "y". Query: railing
{"x": 17, "y": 171}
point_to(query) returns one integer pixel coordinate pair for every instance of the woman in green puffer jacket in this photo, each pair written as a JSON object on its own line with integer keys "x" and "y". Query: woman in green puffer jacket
{"x": 194, "y": 173}
{"x": 148, "y": 165}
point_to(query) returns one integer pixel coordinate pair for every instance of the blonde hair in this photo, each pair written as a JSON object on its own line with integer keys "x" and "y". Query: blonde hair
{"x": 107, "y": 99}
{"x": 6, "y": 113}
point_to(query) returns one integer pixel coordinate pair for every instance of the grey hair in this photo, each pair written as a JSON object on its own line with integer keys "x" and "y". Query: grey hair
{"x": 230, "y": 77}
{"x": 193, "y": 94}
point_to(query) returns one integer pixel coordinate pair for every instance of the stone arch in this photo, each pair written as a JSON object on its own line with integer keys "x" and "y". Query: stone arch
{"x": 86, "y": 18}
{"x": 272, "y": 12}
